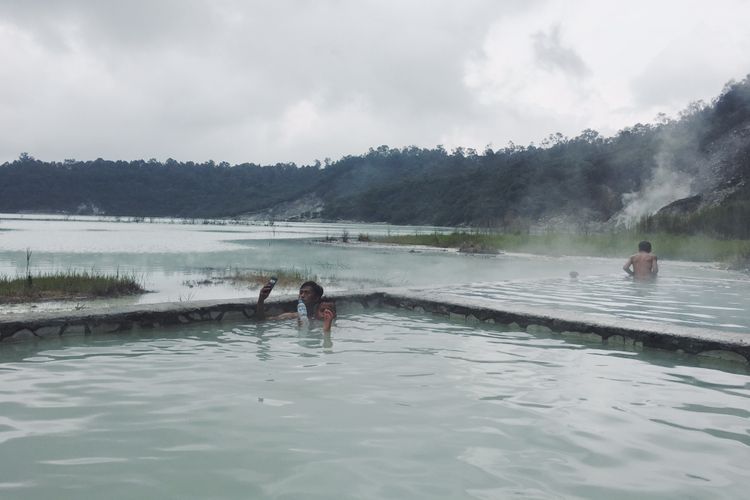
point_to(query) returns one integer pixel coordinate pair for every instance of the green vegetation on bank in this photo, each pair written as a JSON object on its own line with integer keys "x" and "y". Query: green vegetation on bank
{"x": 67, "y": 285}
{"x": 613, "y": 244}
{"x": 287, "y": 278}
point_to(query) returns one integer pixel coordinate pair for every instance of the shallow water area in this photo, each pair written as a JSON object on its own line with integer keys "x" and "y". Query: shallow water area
{"x": 93, "y": 234}
{"x": 169, "y": 256}
{"x": 391, "y": 405}
{"x": 710, "y": 302}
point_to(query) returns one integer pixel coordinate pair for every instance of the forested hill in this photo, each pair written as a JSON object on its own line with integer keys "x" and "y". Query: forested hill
{"x": 700, "y": 161}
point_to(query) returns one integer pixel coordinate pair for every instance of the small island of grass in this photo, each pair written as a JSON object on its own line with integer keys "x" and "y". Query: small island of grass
{"x": 286, "y": 278}
{"x": 68, "y": 285}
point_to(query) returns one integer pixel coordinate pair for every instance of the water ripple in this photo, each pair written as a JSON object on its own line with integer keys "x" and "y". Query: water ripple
{"x": 708, "y": 302}
{"x": 396, "y": 406}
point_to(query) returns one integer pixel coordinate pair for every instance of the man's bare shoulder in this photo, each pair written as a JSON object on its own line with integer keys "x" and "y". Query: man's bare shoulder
{"x": 643, "y": 256}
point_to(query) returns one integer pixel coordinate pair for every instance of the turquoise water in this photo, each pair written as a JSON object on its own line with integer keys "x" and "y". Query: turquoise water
{"x": 391, "y": 405}
{"x": 718, "y": 303}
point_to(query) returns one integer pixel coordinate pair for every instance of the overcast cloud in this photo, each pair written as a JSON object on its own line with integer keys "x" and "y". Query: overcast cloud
{"x": 278, "y": 81}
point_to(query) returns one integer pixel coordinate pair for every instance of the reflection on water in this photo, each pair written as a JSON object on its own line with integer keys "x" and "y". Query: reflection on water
{"x": 399, "y": 406}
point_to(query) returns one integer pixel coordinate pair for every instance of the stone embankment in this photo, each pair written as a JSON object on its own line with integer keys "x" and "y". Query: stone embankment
{"x": 574, "y": 326}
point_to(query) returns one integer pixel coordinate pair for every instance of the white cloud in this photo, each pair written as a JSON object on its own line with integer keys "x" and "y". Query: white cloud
{"x": 606, "y": 65}
{"x": 294, "y": 81}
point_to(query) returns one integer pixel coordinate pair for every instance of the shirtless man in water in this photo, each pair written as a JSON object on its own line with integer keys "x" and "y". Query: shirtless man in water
{"x": 644, "y": 263}
{"x": 318, "y": 307}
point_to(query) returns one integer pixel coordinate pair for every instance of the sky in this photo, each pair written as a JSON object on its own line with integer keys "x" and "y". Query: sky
{"x": 299, "y": 81}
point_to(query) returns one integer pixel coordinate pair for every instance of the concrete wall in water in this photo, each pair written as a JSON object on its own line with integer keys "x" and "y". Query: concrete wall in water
{"x": 575, "y": 326}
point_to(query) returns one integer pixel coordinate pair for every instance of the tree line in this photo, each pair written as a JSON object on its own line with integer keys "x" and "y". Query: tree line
{"x": 580, "y": 178}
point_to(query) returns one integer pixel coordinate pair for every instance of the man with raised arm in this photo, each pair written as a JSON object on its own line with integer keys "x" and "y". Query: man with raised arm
{"x": 311, "y": 294}
{"x": 643, "y": 265}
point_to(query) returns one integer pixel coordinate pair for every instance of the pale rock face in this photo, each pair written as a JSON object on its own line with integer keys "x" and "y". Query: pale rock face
{"x": 305, "y": 208}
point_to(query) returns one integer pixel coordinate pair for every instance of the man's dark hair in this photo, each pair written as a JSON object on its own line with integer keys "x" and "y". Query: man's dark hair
{"x": 644, "y": 246}
{"x": 315, "y": 287}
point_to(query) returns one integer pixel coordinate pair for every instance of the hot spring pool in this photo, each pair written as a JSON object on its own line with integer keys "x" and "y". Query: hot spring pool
{"x": 392, "y": 405}
{"x": 697, "y": 302}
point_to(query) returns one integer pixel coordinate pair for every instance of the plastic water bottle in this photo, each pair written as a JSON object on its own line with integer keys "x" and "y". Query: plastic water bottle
{"x": 302, "y": 312}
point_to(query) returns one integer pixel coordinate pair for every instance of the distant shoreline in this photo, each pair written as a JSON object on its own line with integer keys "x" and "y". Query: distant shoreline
{"x": 60, "y": 216}
{"x": 734, "y": 254}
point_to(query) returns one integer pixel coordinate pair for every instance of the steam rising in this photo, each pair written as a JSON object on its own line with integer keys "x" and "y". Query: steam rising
{"x": 666, "y": 184}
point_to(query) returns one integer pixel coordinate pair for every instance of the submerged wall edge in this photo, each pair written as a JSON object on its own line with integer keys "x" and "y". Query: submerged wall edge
{"x": 614, "y": 331}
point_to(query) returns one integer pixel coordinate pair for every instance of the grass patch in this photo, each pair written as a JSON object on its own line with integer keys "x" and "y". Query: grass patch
{"x": 287, "y": 278}
{"x": 67, "y": 285}
{"x": 614, "y": 244}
